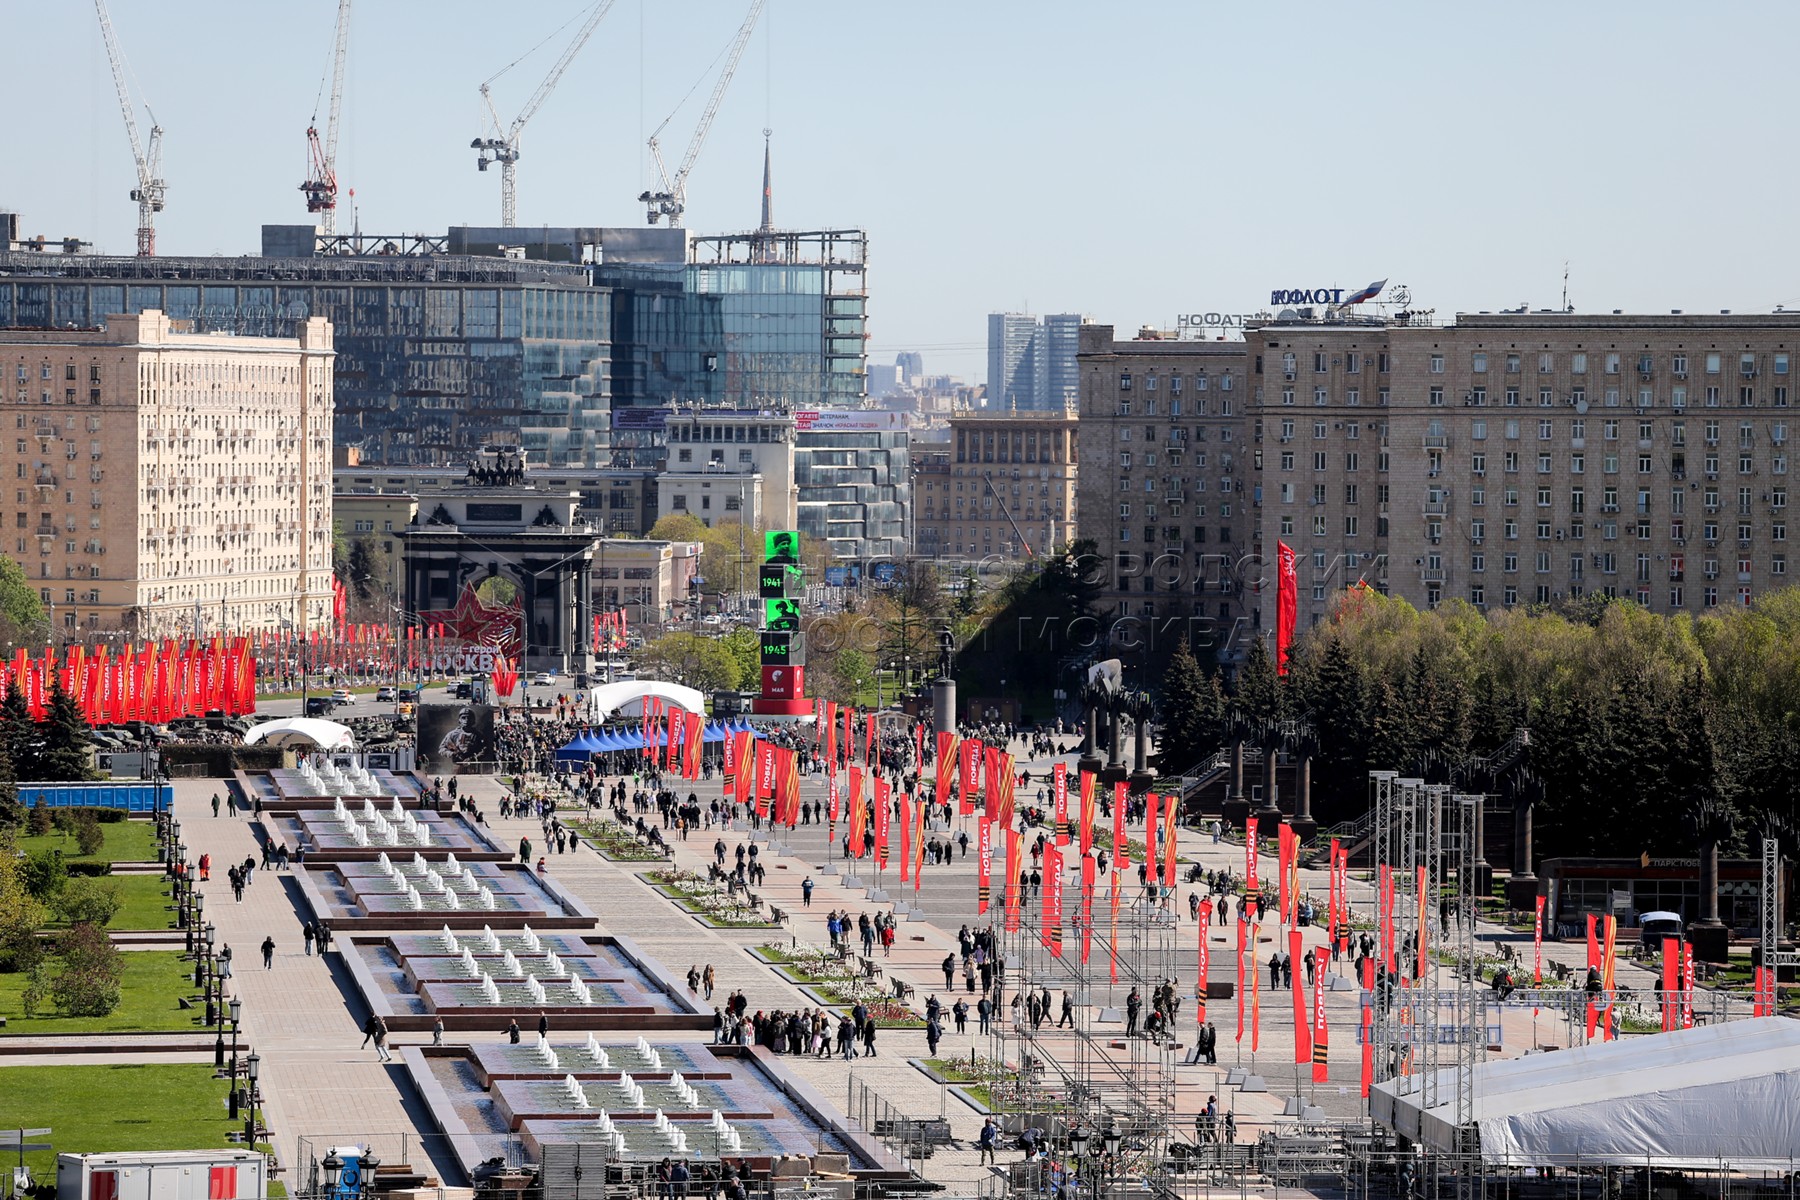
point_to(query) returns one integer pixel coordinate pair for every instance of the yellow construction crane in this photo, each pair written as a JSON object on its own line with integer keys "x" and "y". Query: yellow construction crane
{"x": 150, "y": 187}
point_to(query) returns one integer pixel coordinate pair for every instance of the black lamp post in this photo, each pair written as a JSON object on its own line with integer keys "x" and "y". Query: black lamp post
{"x": 237, "y": 1007}
{"x": 200, "y": 939}
{"x": 252, "y": 1069}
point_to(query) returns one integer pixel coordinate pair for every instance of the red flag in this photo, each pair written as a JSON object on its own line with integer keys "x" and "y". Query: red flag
{"x": 1368, "y": 1026}
{"x": 1170, "y": 844}
{"x": 946, "y": 768}
{"x": 1087, "y": 812}
{"x": 1671, "y": 983}
{"x": 1287, "y": 596}
{"x": 918, "y": 843}
{"x": 969, "y": 762}
{"x": 882, "y": 813}
{"x": 905, "y": 837}
{"x": 1302, "y": 1019}
{"x": 1012, "y": 879}
{"x": 834, "y": 797}
{"x": 1059, "y": 779}
{"x": 871, "y": 739}
{"x": 1242, "y": 928}
{"x": 831, "y": 755}
{"x": 1321, "y": 1037}
{"x": 984, "y": 863}
{"x": 1087, "y": 906}
{"x": 1151, "y": 811}
{"x": 1204, "y": 964}
{"x": 1053, "y": 900}
{"x": 1284, "y": 860}
{"x": 1112, "y": 941}
{"x": 1121, "y": 841}
{"x": 1001, "y": 779}
{"x": 1249, "y": 855}
{"x": 859, "y": 815}
{"x": 1537, "y": 944}
{"x": 1687, "y": 987}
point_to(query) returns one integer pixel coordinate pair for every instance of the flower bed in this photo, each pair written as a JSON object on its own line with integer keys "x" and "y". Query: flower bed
{"x": 695, "y": 894}
{"x": 617, "y": 842}
{"x": 837, "y": 982}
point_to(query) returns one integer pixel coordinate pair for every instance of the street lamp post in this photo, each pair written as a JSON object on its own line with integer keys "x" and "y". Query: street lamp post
{"x": 237, "y": 1007}
{"x": 253, "y": 1071}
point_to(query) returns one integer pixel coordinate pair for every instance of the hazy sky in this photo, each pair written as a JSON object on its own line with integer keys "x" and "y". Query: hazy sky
{"x": 1130, "y": 161}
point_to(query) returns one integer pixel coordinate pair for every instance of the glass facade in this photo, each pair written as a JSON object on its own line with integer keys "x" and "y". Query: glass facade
{"x": 855, "y": 491}
{"x": 435, "y": 357}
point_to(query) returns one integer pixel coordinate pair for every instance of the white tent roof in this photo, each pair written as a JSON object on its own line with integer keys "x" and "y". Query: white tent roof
{"x": 610, "y": 698}
{"x": 1694, "y": 1097}
{"x": 307, "y": 731}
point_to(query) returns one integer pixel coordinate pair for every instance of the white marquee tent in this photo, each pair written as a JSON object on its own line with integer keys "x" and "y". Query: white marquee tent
{"x": 1694, "y": 1098}
{"x": 302, "y": 731}
{"x": 626, "y": 698}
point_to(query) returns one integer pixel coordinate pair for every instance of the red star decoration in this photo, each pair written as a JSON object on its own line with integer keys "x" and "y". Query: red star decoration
{"x": 476, "y": 623}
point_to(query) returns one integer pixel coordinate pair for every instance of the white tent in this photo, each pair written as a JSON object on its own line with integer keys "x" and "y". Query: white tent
{"x": 626, "y": 697}
{"x": 302, "y": 731}
{"x": 1694, "y": 1098}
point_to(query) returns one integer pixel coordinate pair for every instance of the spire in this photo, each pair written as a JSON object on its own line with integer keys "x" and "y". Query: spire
{"x": 768, "y": 216}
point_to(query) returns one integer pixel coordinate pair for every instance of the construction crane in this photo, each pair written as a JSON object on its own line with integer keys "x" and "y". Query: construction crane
{"x": 1007, "y": 513}
{"x": 321, "y": 186}
{"x": 150, "y": 187}
{"x": 671, "y": 202}
{"x": 503, "y": 148}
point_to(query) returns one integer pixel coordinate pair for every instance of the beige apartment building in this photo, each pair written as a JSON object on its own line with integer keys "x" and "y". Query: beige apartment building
{"x": 171, "y": 482}
{"x": 1164, "y": 464}
{"x": 723, "y": 463}
{"x": 1004, "y": 487}
{"x": 1526, "y": 457}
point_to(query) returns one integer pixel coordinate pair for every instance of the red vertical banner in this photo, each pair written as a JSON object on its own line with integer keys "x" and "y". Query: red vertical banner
{"x": 1422, "y": 963}
{"x": 984, "y": 864}
{"x": 1242, "y": 930}
{"x": 1087, "y": 906}
{"x": 1671, "y": 983}
{"x": 1170, "y": 843}
{"x": 1302, "y": 1015}
{"x": 1335, "y": 929}
{"x": 1053, "y": 900}
{"x": 918, "y": 843}
{"x": 834, "y": 800}
{"x": 1087, "y": 812}
{"x": 1593, "y": 964}
{"x": 871, "y": 740}
{"x": 1250, "y": 855}
{"x": 831, "y": 755}
{"x": 946, "y": 768}
{"x": 1368, "y": 1026}
{"x": 1121, "y": 840}
{"x": 1204, "y": 964}
{"x": 1321, "y": 1036}
{"x": 883, "y": 811}
{"x": 859, "y": 815}
{"x": 1284, "y": 855}
{"x": 905, "y": 837}
{"x": 1112, "y": 940}
{"x": 1255, "y": 996}
{"x": 968, "y": 769}
{"x": 1389, "y": 957}
{"x": 1287, "y": 599}
{"x": 1151, "y": 861}
{"x": 1537, "y": 944}
{"x": 1012, "y": 879}
{"x": 1059, "y": 788}
{"x": 1000, "y": 784}
{"x": 849, "y": 732}
{"x": 1609, "y": 948}
{"x": 1687, "y": 987}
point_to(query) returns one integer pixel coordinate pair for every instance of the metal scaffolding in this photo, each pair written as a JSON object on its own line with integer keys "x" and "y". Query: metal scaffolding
{"x": 1084, "y": 1075}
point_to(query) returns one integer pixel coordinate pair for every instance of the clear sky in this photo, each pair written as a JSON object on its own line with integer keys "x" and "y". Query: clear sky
{"x": 1130, "y": 161}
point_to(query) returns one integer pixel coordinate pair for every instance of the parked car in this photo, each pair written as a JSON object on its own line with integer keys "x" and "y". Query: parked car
{"x": 342, "y": 696}
{"x": 545, "y": 679}
{"x": 386, "y": 695}
{"x": 318, "y": 706}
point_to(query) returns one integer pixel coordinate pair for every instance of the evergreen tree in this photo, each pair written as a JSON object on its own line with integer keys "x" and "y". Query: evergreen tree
{"x": 64, "y": 757}
{"x": 1192, "y": 713}
{"x": 1338, "y": 697}
{"x": 18, "y": 737}
{"x": 1258, "y": 693}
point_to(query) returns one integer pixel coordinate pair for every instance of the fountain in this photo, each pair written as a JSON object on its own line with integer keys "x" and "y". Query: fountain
{"x": 651, "y": 1058}
{"x": 396, "y": 811}
{"x": 580, "y": 992}
{"x": 387, "y": 866}
{"x": 468, "y": 963}
{"x": 359, "y": 835}
{"x": 433, "y": 881}
{"x": 469, "y": 880}
{"x": 422, "y": 835}
{"x": 573, "y": 1089}
{"x": 448, "y": 939}
{"x": 390, "y": 836}
{"x": 368, "y": 811}
{"x": 418, "y": 863}
{"x": 490, "y": 991}
{"x": 454, "y": 903}
{"x": 338, "y": 811}
{"x": 596, "y": 1053}
{"x": 536, "y": 989}
{"x": 488, "y": 939}
{"x": 451, "y": 866}
{"x": 555, "y": 965}
{"x": 632, "y": 1091}
{"x": 545, "y": 1054}
{"x": 487, "y": 898}
{"x": 726, "y": 1136}
{"x": 413, "y": 899}
{"x": 532, "y": 941}
{"x": 511, "y": 964}
{"x": 609, "y": 1133}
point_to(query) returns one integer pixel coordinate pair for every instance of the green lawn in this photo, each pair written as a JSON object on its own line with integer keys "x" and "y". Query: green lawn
{"x": 162, "y": 1106}
{"x": 143, "y": 902}
{"x": 126, "y": 841}
{"x": 153, "y": 979}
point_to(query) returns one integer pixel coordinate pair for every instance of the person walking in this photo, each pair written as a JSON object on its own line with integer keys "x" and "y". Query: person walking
{"x": 368, "y": 1030}
{"x": 806, "y": 891}
{"x": 524, "y": 852}
{"x": 706, "y": 982}
{"x": 949, "y": 966}
{"x": 381, "y": 1036}
{"x": 308, "y": 933}
{"x": 512, "y": 1031}
{"x": 990, "y": 1134}
{"x": 268, "y": 949}
{"x": 437, "y": 1031}
{"x": 215, "y": 803}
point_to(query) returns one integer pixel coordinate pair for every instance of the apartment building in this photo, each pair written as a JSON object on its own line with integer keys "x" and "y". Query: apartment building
{"x": 172, "y": 482}
{"x": 1005, "y": 487}
{"x": 1163, "y": 492}
{"x": 1527, "y": 457}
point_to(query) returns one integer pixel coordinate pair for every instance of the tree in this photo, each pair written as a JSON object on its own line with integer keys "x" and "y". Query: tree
{"x": 88, "y": 984}
{"x": 1193, "y": 713}
{"x": 21, "y": 913}
{"x": 18, "y": 737}
{"x": 64, "y": 757}
{"x": 907, "y": 616}
{"x": 21, "y": 609}
{"x": 745, "y": 649}
{"x": 702, "y": 663}
{"x": 89, "y": 899}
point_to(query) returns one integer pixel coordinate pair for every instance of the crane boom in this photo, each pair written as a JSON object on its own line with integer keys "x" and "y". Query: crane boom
{"x": 150, "y": 187}
{"x": 671, "y": 202}
{"x": 503, "y": 148}
{"x": 1007, "y": 513}
{"x": 321, "y": 186}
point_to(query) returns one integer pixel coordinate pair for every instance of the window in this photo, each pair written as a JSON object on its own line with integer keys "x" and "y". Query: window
{"x": 1578, "y": 363}
{"x": 1478, "y": 431}
{"x": 1437, "y": 364}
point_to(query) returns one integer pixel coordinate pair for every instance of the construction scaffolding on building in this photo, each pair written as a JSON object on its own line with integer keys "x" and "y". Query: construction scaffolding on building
{"x": 1076, "y": 1075}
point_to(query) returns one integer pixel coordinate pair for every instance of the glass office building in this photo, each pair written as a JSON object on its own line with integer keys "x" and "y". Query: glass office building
{"x": 437, "y": 356}
{"x": 855, "y": 490}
